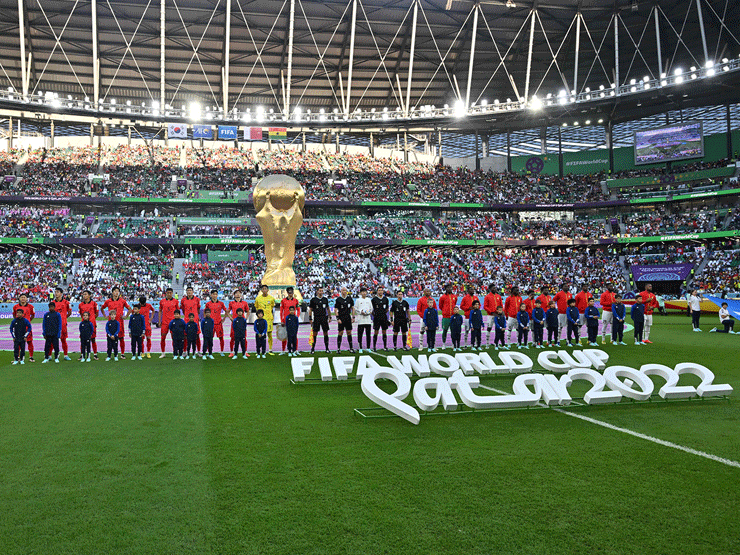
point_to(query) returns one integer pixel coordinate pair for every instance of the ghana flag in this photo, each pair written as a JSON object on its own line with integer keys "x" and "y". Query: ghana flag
{"x": 277, "y": 133}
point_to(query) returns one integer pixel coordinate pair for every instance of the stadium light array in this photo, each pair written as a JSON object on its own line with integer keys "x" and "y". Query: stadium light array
{"x": 459, "y": 109}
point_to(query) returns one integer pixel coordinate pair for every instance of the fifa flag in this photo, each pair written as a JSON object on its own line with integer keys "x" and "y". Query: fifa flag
{"x": 252, "y": 133}
{"x": 177, "y": 131}
{"x": 277, "y": 133}
{"x": 227, "y": 132}
{"x": 202, "y": 132}
{"x": 733, "y": 306}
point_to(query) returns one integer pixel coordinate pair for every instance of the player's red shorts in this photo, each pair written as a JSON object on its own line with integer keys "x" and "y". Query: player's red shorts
{"x": 29, "y": 337}
{"x": 165, "y": 328}
{"x": 121, "y": 330}
{"x": 64, "y": 335}
{"x": 94, "y": 331}
{"x": 218, "y": 330}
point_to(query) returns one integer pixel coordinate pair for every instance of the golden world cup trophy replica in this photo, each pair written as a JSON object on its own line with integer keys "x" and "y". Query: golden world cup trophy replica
{"x": 279, "y": 202}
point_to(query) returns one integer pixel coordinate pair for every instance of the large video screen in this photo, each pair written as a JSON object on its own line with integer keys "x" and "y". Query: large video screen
{"x": 680, "y": 141}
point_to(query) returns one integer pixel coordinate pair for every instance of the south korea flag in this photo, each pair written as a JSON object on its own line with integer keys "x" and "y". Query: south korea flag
{"x": 177, "y": 131}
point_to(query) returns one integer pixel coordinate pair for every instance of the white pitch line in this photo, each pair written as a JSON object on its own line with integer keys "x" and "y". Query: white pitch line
{"x": 659, "y": 441}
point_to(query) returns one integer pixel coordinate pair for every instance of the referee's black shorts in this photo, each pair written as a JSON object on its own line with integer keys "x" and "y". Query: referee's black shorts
{"x": 400, "y": 325}
{"x": 320, "y": 325}
{"x": 380, "y": 322}
{"x": 344, "y": 323}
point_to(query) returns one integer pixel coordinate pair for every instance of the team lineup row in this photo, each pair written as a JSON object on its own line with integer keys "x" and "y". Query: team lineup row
{"x": 182, "y": 319}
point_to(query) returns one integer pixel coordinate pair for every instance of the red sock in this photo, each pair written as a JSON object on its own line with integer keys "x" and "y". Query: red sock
{"x": 221, "y": 339}
{"x": 284, "y": 344}
{"x": 162, "y": 343}
{"x": 123, "y": 345}
{"x": 148, "y": 344}
{"x": 231, "y": 345}
{"x": 95, "y": 346}
{"x": 30, "y": 348}
{"x": 197, "y": 344}
{"x": 185, "y": 345}
{"x": 64, "y": 346}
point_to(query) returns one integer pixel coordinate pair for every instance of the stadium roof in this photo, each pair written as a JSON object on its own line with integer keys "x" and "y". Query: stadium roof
{"x": 236, "y": 54}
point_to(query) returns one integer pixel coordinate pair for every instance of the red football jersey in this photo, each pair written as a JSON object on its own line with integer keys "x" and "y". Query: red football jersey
{"x": 562, "y": 298}
{"x": 466, "y": 304}
{"x": 118, "y": 306}
{"x": 190, "y": 306}
{"x": 146, "y": 311}
{"x": 64, "y": 310}
{"x": 606, "y": 300}
{"x": 544, "y": 301}
{"x": 529, "y": 303}
{"x": 216, "y": 309}
{"x": 511, "y": 306}
{"x": 285, "y": 305}
{"x": 28, "y": 312}
{"x": 167, "y": 311}
{"x": 582, "y": 301}
{"x": 234, "y": 306}
{"x": 423, "y": 304}
{"x": 650, "y": 301}
{"x": 491, "y": 302}
{"x": 91, "y": 308}
{"x": 447, "y": 304}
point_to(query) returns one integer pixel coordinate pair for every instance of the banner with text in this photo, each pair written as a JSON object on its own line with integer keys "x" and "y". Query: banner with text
{"x": 661, "y": 272}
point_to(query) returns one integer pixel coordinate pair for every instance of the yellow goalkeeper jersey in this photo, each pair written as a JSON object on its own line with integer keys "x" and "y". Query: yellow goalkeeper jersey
{"x": 266, "y": 304}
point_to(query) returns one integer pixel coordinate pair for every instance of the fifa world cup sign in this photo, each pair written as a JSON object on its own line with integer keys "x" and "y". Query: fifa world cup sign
{"x": 279, "y": 202}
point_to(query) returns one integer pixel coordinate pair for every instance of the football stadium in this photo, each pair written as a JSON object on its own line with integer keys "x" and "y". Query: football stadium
{"x": 369, "y": 276}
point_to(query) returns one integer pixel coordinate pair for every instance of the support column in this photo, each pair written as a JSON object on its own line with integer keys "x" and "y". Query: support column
{"x": 610, "y": 142}
{"x": 291, "y": 27}
{"x": 484, "y": 145}
{"x": 405, "y": 146}
{"x": 411, "y": 58}
{"x": 729, "y": 132}
{"x": 578, "y": 49}
{"x": 657, "y": 42}
{"x": 227, "y": 54}
{"x": 336, "y": 134}
{"x": 372, "y": 146}
{"x": 22, "y": 37}
{"x": 701, "y": 28}
{"x": 472, "y": 54}
{"x": 95, "y": 53}
{"x": 351, "y": 58}
{"x": 439, "y": 146}
{"x": 560, "y": 151}
{"x": 529, "y": 56}
{"x": 616, "y": 53}
{"x": 10, "y": 133}
{"x": 92, "y": 134}
{"x": 162, "y": 100}
{"x": 52, "y": 133}
{"x": 129, "y": 136}
{"x": 477, "y": 151}
{"x": 543, "y": 140}
{"x": 303, "y": 140}
{"x": 508, "y": 150}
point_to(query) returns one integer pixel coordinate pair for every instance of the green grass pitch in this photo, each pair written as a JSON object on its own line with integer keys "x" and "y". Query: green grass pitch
{"x": 180, "y": 457}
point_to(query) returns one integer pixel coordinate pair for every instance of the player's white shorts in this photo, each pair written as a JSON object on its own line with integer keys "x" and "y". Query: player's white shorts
{"x": 648, "y": 320}
{"x": 422, "y": 327}
{"x": 491, "y": 322}
{"x": 511, "y": 323}
{"x": 467, "y": 324}
{"x": 607, "y": 317}
{"x": 582, "y": 319}
{"x": 562, "y": 321}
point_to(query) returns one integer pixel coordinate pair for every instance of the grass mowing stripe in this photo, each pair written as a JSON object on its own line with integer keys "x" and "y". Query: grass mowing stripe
{"x": 663, "y": 442}
{"x": 104, "y": 458}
